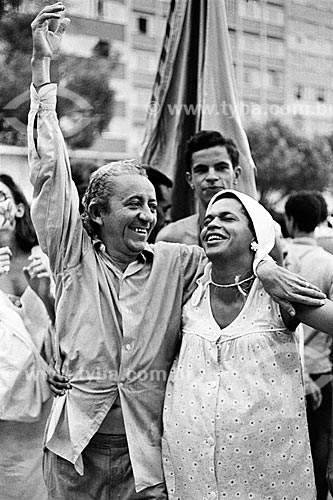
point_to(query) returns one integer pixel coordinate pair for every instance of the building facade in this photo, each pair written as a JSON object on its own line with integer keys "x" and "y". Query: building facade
{"x": 282, "y": 51}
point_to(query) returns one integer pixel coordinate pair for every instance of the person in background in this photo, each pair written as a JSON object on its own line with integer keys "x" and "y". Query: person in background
{"x": 324, "y": 231}
{"x": 163, "y": 186}
{"x": 211, "y": 162}
{"x": 303, "y": 213}
{"x": 81, "y": 173}
{"x": 27, "y": 315}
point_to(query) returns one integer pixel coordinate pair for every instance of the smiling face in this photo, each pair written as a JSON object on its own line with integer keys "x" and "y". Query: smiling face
{"x": 226, "y": 232}
{"x": 132, "y": 215}
{"x": 211, "y": 172}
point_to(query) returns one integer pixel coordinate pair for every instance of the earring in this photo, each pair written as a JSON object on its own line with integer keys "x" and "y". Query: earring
{"x": 254, "y": 246}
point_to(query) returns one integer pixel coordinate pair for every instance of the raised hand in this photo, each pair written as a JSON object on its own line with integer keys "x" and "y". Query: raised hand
{"x": 38, "y": 276}
{"x": 46, "y": 43}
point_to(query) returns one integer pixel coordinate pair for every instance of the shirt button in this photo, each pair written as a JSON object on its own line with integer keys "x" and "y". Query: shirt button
{"x": 128, "y": 347}
{"x": 210, "y": 441}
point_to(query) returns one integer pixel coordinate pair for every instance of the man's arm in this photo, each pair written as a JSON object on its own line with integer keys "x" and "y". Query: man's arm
{"x": 287, "y": 288}
{"x": 55, "y": 207}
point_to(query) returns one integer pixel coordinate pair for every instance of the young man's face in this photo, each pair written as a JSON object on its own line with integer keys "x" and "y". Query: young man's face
{"x": 132, "y": 216}
{"x": 211, "y": 172}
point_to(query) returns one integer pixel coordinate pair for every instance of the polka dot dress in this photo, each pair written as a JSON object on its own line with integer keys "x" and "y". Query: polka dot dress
{"x": 234, "y": 417}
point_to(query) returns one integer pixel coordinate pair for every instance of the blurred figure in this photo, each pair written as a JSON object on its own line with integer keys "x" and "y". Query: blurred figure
{"x": 324, "y": 230}
{"x": 162, "y": 185}
{"x": 26, "y": 314}
{"x": 303, "y": 213}
{"x": 81, "y": 173}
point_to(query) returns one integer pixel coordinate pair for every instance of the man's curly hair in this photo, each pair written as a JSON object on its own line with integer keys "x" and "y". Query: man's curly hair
{"x": 101, "y": 189}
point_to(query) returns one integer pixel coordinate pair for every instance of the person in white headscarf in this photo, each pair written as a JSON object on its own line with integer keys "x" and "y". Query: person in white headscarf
{"x": 234, "y": 415}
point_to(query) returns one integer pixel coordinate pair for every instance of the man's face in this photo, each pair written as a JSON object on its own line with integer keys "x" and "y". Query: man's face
{"x": 132, "y": 216}
{"x": 211, "y": 172}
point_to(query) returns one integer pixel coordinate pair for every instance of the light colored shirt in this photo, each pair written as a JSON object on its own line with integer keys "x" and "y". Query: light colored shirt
{"x": 316, "y": 265}
{"x": 234, "y": 412}
{"x": 118, "y": 331}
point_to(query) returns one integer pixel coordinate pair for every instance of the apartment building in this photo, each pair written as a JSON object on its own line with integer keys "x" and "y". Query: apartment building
{"x": 282, "y": 51}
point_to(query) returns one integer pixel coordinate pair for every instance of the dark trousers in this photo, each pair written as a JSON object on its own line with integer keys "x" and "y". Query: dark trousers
{"x": 319, "y": 422}
{"x": 107, "y": 474}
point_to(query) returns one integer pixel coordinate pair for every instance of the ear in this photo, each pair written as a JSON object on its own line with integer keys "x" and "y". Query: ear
{"x": 188, "y": 178}
{"x": 237, "y": 174}
{"x": 20, "y": 210}
{"x": 95, "y": 213}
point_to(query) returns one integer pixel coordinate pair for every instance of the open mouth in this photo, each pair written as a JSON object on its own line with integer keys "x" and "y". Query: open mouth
{"x": 214, "y": 237}
{"x": 140, "y": 230}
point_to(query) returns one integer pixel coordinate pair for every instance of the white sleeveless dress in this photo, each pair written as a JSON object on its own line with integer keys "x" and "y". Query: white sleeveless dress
{"x": 234, "y": 417}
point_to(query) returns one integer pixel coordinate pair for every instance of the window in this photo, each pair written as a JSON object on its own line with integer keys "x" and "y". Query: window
{"x": 299, "y": 91}
{"x": 274, "y": 78}
{"x": 321, "y": 94}
{"x": 142, "y": 25}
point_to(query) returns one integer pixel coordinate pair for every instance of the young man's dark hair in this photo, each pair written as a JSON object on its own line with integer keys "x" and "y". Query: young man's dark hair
{"x": 208, "y": 139}
{"x": 305, "y": 208}
{"x": 323, "y": 206}
{"x": 157, "y": 178}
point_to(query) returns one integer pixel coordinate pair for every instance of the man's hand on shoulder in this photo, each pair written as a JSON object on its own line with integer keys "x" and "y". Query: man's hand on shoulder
{"x": 285, "y": 287}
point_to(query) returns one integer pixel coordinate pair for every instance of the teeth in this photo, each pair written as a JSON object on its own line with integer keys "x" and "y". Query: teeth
{"x": 140, "y": 230}
{"x": 214, "y": 237}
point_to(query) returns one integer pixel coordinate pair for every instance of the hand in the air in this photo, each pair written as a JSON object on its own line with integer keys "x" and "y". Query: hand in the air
{"x": 46, "y": 43}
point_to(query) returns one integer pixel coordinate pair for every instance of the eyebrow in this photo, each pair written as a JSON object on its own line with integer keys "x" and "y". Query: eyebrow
{"x": 214, "y": 164}
{"x": 140, "y": 197}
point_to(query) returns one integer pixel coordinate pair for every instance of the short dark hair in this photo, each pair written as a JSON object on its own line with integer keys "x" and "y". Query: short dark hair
{"x": 157, "y": 178}
{"x": 323, "y": 206}
{"x": 25, "y": 233}
{"x": 305, "y": 208}
{"x": 208, "y": 139}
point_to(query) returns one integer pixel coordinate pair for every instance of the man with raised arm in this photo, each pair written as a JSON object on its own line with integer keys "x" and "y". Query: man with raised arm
{"x": 118, "y": 307}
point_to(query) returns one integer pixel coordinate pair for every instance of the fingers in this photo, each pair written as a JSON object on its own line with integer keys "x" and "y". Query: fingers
{"x": 62, "y": 26}
{"x": 49, "y": 12}
{"x": 287, "y": 306}
{"x": 36, "y": 268}
{"x": 307, "y": 300}
{"x": 306, "y": 287}
{"x": 58, "y": 383}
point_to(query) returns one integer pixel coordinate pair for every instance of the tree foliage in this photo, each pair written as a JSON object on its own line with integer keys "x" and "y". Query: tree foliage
{"x": 286, "y": 161}
{"x": 87, "y": 79}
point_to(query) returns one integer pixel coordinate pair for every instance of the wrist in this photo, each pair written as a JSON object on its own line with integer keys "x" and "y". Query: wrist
{"x": 40, "y": 70}
{"x": 257, "y": 265}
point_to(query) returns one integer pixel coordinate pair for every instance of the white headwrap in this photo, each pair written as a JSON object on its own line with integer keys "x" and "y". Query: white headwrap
{"x": 261, "y": 219}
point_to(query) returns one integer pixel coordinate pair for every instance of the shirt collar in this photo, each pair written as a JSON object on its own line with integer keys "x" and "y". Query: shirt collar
{"x": 146, "y": 254}
{"x": 305, "y": 240}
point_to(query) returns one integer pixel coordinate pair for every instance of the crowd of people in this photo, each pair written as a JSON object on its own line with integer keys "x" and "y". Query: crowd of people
{"x": 190, "y": 360}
